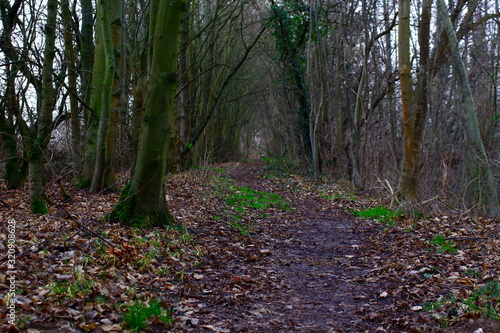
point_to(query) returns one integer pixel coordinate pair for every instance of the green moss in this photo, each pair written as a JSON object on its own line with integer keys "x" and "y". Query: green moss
{"x": 125, "y": 207}
{"x": 38, "y": 206}
{"x": 379, "y": 213}
{"x": 35, "y": 153}
{"x": 136, "y": 318}
{"x": 244, "y": 197}
{"x": 83, "y": 183}
{"x": 145, "y": 220}
{"x": 126, "y": 213}
{"x": 443, "y": 244}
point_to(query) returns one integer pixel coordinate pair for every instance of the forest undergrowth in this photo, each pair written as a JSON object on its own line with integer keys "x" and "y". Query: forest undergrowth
{"x": 260, "y": 250}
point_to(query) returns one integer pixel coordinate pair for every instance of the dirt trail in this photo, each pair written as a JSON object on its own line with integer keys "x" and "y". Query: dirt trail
{"x": 309, "y": 282}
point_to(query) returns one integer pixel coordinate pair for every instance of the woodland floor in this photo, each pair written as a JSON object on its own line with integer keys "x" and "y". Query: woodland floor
{"x": 244, "y": 265}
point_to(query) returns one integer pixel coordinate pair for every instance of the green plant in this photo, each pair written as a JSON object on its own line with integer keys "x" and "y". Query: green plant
{"x": 139, "y": 312}
{"x": 243, "y": 198}
{"x": 131, "y": 290}
{"x": 379, "y": 213}
{"x": 482, "y": 302}
{"x": 87, "y": 260}
{"x": 21, "y": 322}
{"x": 103, "y": 299}
{"x": 244, "y": 229}
{"x": 431, "y": 306}
{"x": 137, "y": 240}
{"x": 186, "y": 237}
{"x": 145, "y": 262}
{"x": 72, "y": 289}
{"x": 180, "y": 275}
{"x": 473, "y": 273}
{"x": 443, "y": 244}
{"x": 485, "y": 301}
{"x": 163, "y": 271}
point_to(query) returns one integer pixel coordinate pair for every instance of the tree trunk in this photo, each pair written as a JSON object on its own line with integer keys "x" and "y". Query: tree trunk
{"x": 107, "y": 85}
{"x": 184, "y": 94}
{"x": 86, "y": 52}
{"x": 44, "y": 121}
{"x": 143, "y": 202}
{"x": 11, "y": 121}
{"x": 72, "y": 79}
{"x": 482, "y": 180}
{"x": 118, "y": 98}
{"x": 316, "y": 71}
{"x": 16, "y": 167}
{"x": 414, "y": 104}
{"x": 96, "y": 95}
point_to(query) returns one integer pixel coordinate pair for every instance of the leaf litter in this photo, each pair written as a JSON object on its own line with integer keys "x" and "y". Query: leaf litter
{"x": 247, "y": 262}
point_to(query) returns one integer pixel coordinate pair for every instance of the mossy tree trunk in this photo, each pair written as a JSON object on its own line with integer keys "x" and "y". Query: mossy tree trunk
{"x": 119, "y": 91}
{"x": 414, "y": 103}
{"x": 105, "y": 9}
{"x": 98, "y": 74}
{"x": 86, "y": 51}
{"x": 72, "y": 82}
{"x": 16, "y": 167}
{"x": 482, "y": 180}
{"x": 138, "y": 67}
{"x": 184, "y": 80}
{"x": 44, "y": 120}
{"x": 291, "y": 29}
{"x": 12, "y": 124}
{"x": 143, "y": 201}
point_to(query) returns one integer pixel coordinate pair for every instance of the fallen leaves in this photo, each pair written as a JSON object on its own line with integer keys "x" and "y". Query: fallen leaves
{"x": 309, "y": 267}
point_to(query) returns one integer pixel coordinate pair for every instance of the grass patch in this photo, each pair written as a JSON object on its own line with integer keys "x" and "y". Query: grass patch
{"x": 243, "y": 228}
{"x": 72, "y": 289}
{"x": 482, "y": 302}
{"x": 241, "y": 202}
{"x": 243, "y": 198}
{"x": 139, "y": 313}
{"x": 443, "y": 245}
{"x": 381, "y": 214}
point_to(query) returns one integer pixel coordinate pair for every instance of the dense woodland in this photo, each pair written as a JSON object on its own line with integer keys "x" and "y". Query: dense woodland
{"x": 249, "y": 166}
{"x": 400, "y": 97}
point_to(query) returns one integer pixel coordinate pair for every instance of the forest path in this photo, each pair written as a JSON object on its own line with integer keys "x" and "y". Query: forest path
{"x": 298, "y": 271}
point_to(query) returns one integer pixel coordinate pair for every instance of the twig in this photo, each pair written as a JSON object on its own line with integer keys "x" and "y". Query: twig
{"x": 84, "y": 227}
{"x": 466, "y": 238}
{"x": 429, "y": 200}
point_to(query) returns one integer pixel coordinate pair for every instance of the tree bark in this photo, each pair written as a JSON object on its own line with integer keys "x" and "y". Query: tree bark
{"x": 11, "y": 121}
{"x": 414, "y": 104}
{"x": 87, "y": 49}
{"x": 482, "y": 179}
{"x": 185, "y": 92}
{"x": 107, "y": 85}
{"x": 44, "y": 121}
{"x": 96, "y": 95}
{"x": 72, "y": 80}
{"x": 143, "y": 201}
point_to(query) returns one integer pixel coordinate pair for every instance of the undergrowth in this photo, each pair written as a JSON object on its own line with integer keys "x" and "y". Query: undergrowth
{"x": 484, "y": 301}
{"x": 241, "y": 202}
{"x": 138, "y": 313}
{"x": 443, "y": 245}
{"x": 381, "y": 214}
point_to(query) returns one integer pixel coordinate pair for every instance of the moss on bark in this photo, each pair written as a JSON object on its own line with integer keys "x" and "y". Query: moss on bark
{"x": 38, "y": 206}
{"x": 125, "y": 212}
{"x": 83, "y": 183}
